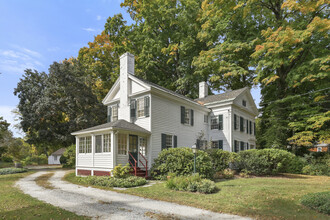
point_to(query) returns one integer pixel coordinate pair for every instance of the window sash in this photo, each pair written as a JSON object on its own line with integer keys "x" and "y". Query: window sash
{"x": 98, "y": 144}
{"x": 140, "y": 107}
{"x": 106, "y": 143}
{"x": 143, "y": 146}
{"x": 187, "y": 116}
{"x": 114, "y": 115}
{"x": 169, "y": 141}
{"x": 214, "y": 122}
{"x": 215, "y": 144}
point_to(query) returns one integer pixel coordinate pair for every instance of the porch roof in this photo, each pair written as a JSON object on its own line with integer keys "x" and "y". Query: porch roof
{"x": 119, "y": 124}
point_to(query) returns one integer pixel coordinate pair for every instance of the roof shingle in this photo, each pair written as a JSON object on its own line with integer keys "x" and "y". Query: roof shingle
{"x": 221, "y": 97}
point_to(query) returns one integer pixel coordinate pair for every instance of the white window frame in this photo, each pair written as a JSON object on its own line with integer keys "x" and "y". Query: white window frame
{"x": 122, "y": 144}
{"x": 140, "y": 107}
{"x": 85, "y": 145}
{"x": 215, "y": 144}
{"x": 143, "y": 146}
{"x": 244, "y": 101}
{"x": 105, "y": 142}
{"x": 169, "y": 137}
{"x": 319, "y": 149}
{"x": 100, "y": 150}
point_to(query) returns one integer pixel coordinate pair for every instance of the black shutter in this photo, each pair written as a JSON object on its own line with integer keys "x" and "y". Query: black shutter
{"x": 198, "y": 143}
{"x": 175, "y": 141}
{"x": 109, "y": 114}
{"x": 242, "y": 145}
{"x": 241, "y": 124}
{"x": 146, "y": 106}
{"x": 247, "y": 145}
{"x": 235, "y": 121}
{"x": 133, "y": 108}
{"x": 235, "y": 146}
{"x": 250, "y": 127}
{"x": 221, "y": 144}
{"x": 192, "y": 117}
{"x": 247, "y": 126}
{"x": 254, "y": 128}
{"x": 182, "y": 114}
{"x": 163, "y": 141}
{"x": 220, "y": 117}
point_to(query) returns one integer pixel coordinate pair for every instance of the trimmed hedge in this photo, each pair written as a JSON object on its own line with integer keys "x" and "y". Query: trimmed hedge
{"x": 317, "y": 201}
{"x": 180, "y": 161}
{"x": 5, "y": 171}
{"x": 192, "y": 183}
{"x": 221, "y": 159}
{"x": 107, "y": 181}
{"x": 266, "y": 161}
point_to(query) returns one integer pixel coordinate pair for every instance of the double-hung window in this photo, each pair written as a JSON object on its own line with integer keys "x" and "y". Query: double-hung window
{"x": 214, "y": 122}
{"x": 187, "y": 116}
{"x": 169, "y": 141}
{"x": 114, "y": 116}
{"x": 140, "y": 107}
{"x": 85, "y": 144}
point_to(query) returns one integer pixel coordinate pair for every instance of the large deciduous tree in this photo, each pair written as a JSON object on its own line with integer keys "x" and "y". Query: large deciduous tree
{"x": 54, "y": 105}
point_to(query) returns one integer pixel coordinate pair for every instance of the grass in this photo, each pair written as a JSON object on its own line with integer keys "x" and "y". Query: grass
{"x": 43, "y": 181}
{"x": 260, "y": 198}
{"x": 14, "y": 204}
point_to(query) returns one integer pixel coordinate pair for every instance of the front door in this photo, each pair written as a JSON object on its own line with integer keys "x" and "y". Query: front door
{"x": 133, "y": 148}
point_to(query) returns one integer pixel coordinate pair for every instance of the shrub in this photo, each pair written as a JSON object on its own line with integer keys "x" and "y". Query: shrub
{"x": 121, "y": 171}
{"x": 180, "y": 161}
{"x": 5, "y": 171}
{"x": 296, "y": 165}
{"x": 35, "y": 160}
{"x": 192, "y": 183}
{"x": 265, "y": 161}
{"x": 317, "y": 201}
{"x": 7, "y": 159}
{"x": 228, "y": 173}
{"x": 221, "y": 159}
{"x": 244, "y": 174}
{"x": 317, "y": 166}
{"x": 107, "y": 181}
{"x": 68, "y": 159}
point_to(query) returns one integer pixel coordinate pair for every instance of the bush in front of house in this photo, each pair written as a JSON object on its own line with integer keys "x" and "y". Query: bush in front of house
{"x": 68, "y": 159}
{"x": 121, "y": 171}
{"x": 193, "y": 183}
{"x": 265, "y": 161}
{"x": 106, "y": 181}
{"x": 11, "y": 170}
{"x": 35, "y": 160}
{"x": 317, "y": 201}
{"x": 180, "y": 161}
{"x": 221, "y": 159}
{"x": 319, "y": 165}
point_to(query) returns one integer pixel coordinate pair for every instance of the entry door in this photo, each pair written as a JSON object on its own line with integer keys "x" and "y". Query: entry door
{"x": 133, "y": 148}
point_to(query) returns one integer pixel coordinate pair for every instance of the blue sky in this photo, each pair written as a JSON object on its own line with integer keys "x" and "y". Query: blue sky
{"x": 35, "y": 33}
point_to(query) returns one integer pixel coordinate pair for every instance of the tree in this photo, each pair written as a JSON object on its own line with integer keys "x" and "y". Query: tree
{"x": 54, "y": 105}
{"x": 3, "y": 127}
{"x": 284, "y": 45}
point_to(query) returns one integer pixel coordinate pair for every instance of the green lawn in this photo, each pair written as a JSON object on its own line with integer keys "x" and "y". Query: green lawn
{"x": 261, "y": 198}
{"x": 16, "y": 205}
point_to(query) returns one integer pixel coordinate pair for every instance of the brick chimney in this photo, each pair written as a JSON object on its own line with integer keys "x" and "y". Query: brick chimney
{"x": 203, "y": 90}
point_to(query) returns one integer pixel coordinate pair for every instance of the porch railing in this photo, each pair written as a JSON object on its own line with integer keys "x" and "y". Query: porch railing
{"x": 135, "y": 162}
{"x": 145, "y": 165}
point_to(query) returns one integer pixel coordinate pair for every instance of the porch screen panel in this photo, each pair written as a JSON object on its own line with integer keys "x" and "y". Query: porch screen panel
{"x": 106, "y": 143}
{"x": 98, "y": 144}
{"x": 122, "y": 144}
{"x": 89, "y": 144}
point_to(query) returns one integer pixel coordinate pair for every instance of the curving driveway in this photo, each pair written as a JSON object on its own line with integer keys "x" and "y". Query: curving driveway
{"x": 103, "y": 204}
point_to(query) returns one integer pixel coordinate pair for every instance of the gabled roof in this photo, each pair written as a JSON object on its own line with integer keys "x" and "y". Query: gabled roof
{"x": 221, "y": 97}
{"x": 166, "y": 90}
{"x": 59, "y": 151}
{"x": 119, "y": 124}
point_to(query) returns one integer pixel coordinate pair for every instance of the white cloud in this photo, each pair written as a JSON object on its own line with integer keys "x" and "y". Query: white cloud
{"x": 89, "y": 29}
{"x": 10, "y": 117}
{"x": 98, "y": 17}
{"x": 17, "y": 59}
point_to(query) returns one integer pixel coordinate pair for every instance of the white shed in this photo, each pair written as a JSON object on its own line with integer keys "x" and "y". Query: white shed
{"x": 54, "y": 158}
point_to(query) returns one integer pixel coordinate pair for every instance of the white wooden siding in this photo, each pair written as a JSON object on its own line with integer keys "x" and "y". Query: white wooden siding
{"x": 103, "y": 160}
{"x": 85, "y": 160}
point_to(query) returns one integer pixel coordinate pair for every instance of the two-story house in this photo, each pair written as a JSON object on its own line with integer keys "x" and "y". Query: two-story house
{"x": 145, "y": 118}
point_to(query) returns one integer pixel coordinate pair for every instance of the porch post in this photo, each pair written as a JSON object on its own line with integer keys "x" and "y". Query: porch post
{"x": 113, "y": 149}
{"x": 77, "y": 153}
{"x": 93, "y": 152}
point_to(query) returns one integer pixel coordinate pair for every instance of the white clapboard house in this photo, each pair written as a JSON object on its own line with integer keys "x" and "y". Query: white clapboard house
{"x": 144, "y": 118}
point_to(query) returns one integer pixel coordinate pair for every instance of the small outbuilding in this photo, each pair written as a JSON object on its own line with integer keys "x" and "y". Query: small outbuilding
{"x": 54, "y": 158}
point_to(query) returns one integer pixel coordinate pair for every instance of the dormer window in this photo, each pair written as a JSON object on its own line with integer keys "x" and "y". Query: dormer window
{"x": 112, "y": 113}
{"x": 140, "y": 107}
{"x": 244, "y": 103}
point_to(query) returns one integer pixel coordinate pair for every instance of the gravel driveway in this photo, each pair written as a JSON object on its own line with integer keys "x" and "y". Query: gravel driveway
{"x": 103, "y": 204}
